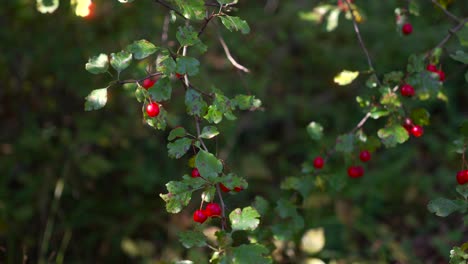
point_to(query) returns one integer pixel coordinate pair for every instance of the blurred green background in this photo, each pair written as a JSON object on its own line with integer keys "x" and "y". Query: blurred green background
{"x": 112, "y": 167}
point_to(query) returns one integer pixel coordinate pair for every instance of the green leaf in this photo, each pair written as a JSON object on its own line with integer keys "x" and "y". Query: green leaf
{"x": 332, "y": 19}
{"x": 301, "y": 184}
{"x": 141, "y": 94}
{"x": 208, "y": 165}
{"x": 414, "y": 8}
{"x": 393, "y": 77}
{"x": 187, "y": 65}
{"x": 179, "y": 147}
{"x": 247, "y": 102}
{"x": 213, "y": 115}
{"x": 158, "y": 122}
{"x": 162, "y": 90}
{"x": 291, "y": 222}
{"x": 209, "y": 194}
{"x": 221, "y": 106}
{"x": 47, "y": 6}
{"x": 191, "y": 239}
{"x": 177, "y": 132}
{"x": 98, "y": 64}
{"x": 223, "y": 2}
{"x": 261, "y": 205}
{"x": 345, "y": 143}
{"x": 245, "y": 219}
{"x": 235, "y": 23}
{"x": 443, "y": 207}
{"x": 390, "y": 99}
{"x": 420, "y": 116}
{"x": 463, "y": 190}
{"x": 345, "y": 77}
{"x": 378, "y": 112}
{"x": 252, "y": 253}
{"x": 463, "y": 35}
{"x": 315, "y": 130}
{"x": 195, "y": 103}
{"x": 178, "y": 196}
{"x": 97, "y": 99}
{"x": 187, "y": 36}
{"x": 165, "y": 63}
{"x": 209, "y": 132}
{"x": 460, "y": 56}
{"x": 141, "y": 49}
{"x": 192, "y": 9}
{"x": 416, "y": 63}
{"x": 121, "y": 60}
{"x": 393, "y": 135}
{"x": 232, "y": 180}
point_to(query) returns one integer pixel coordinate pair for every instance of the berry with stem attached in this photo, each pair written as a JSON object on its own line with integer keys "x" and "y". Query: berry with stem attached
{"x": 462, "y": 177}
{"x": 148, "y": 83}
{"x": 238, "y": 188}
{"x": 199, "y": 216}
{"x": 152, "y": 109}
{"x": 213, "y": 209}
{"x": 224, "y": 188}
{"x": 365, "y": 156}
{"x": 319, "y": 162}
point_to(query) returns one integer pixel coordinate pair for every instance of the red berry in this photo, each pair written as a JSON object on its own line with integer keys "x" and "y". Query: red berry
{"x": 365, "y": 156}
{"x": 179, "y": 76}
{"x": 431, "y": 68}
{"x": 462, "y": 177}
{"x": 195, "y": 173}
{"x": 407, "y": 90}
{"x": 441, "y": 75}
{"x": 152, "y": 109}
{"x": 417, "y": 131}
{"x": 199, "y": 216}
{"x": 224, "y": 188}
{"x": 407, "y": 29}
{"x": 148, "y": 83}
{"x": 318, "y": 162}
{"x": 355, "y": 171}
{"x": 212, "y": 209}
{"x": 238, "y": 189}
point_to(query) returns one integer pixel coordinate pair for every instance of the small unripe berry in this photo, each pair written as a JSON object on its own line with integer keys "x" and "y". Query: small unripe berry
{"x": 199, "y": 216}
{"x": 212, "y": 209}
{"x": 407, "y": 29}
{"x": 195, "y": 173}
{"x": 417, "y": 131}
{"x": 152, "y": 109}
{"x": 355, "y": 171}
{"x": 148, "y": 83}
{"x": 407, "y": 90}
{"x": 319, "y": 162}
{"x": 224, "y": 188}
{"x": 431, "y": 68}
{"x": 365, "y": 156}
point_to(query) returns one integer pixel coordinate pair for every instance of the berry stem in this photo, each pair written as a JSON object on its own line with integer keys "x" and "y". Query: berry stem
{"x": 223, "y": 214}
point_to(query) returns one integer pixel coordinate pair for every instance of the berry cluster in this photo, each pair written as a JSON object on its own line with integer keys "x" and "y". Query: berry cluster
{"x": 152, "y": 109}
{"x": 413, "y": 129}
{"x": 433, "y": 68}
{"x": 211, "y": 210}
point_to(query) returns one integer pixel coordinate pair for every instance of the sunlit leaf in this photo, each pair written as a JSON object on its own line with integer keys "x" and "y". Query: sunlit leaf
{"x": 98, "y": 64}
{"x": 244, "y": 219}
{"x": 141, "y": 49}
{"x": 235, "y": 23}
{"x": 345, "y": 77}
{"x": 97, "y": 99}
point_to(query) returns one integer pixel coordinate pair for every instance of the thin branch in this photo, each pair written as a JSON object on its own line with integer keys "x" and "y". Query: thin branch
{"x": 448, "y": 13}
{"x": 197, "y": 124}
{"x": 229, "y": 56}
{"x": 452, "y": 32}
{"x": 166, "y": 5}
{"x": 140, "y": 80}
{"x": 361, "y": 123}
{"x": 205, "y": 24}
{"x": 361, "y": 42}
{"x": 223, "y": 206}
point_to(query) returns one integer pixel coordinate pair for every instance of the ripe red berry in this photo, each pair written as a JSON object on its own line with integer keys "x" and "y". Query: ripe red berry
{"x": 355, "y": 171}
{"x": 441, "y": 75}
{"x": 431, "y": 68}
{"x": 224, "y": 188}
{"x": 462, "y": 177}
{"x": 319, "y": 162}
{"x": 238, "y": 189}
{"x": 199, "y": 216}
{"x": 407, "y": 29}
{"x": 152, "y": 109}
{"x": 179, "y": 76}
{"x": 417, "y": 131}
{"x": 195, "y": 173}
{"x": 407, "y": 90}
{"x": 212, "y": 209}
{"x": 148, "y": 83}
{"x": 365, "y": 156}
